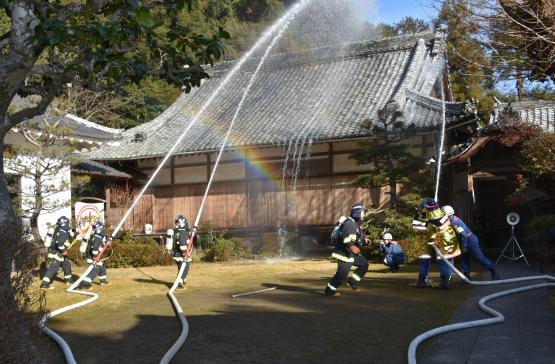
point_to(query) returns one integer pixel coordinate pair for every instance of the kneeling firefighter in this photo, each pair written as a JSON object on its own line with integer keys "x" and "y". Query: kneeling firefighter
{"x": 57, "y": 243}
{"x": 347, "y": 252}
{"x": 177, "y": 243}
{"x": 440, "y": 233}
{"x": 91, "y": 248}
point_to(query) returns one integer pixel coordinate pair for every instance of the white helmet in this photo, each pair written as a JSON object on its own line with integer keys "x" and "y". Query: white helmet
{"x": 448, "y": 210}
{"x": 387, "y": 236}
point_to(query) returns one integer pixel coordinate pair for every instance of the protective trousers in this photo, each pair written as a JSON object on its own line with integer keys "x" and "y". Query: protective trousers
{"x": 98, "y": 270}
{"x": 53, "y": 270}
{"x": 473, "y": 250}
{"x": 183, "y": 277}
{"x": 343, "y": 269}
{"x": 444, "y": 269}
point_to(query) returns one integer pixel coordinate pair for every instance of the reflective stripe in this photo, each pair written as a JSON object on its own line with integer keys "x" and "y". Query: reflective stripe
{"x": 46, "y": 279}
{"x": 88, "y": 280}
{"x": 100, "y": 264}
{"x": 67, "y": 243}
{"x": 56, "y": 257}
{"x": 102, "y": 277}
{"x": 178, "y": 259}
{"x": 356, "y": 277}
{"x": 180, "y": 281}
{"x": 425, "y": 256}
{"x": 332, "y": 287}
{"x": 69, "y": 276}
{"x": 89, "y": 260}
{"x": 183, "y": 247}
{"x": 342, "y": 258}
{"x": 350, "y": 238}
{"x": 95, "y": 252}
{"x": 459, "y": 229}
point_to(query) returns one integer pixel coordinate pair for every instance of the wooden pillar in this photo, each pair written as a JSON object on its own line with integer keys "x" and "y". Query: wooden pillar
{"x": 172, "y": 170}
{"x": 208, "y": 167}
{"x": 108, "y": 210}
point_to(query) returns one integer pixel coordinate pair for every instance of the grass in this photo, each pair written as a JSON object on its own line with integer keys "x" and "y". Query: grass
{"x": 133, "y": 321}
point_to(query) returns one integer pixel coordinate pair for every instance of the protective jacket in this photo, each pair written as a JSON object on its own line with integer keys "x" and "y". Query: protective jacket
{"x": 60, "y": 243}
{"x": 181, "y": 239}
{"x": 440, "y": 231}
{"x": 351, "y": 235}
{"x": 95, "y": 244}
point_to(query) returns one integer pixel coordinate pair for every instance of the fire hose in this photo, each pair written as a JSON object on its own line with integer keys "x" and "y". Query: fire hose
{"x": 497, "y": 316}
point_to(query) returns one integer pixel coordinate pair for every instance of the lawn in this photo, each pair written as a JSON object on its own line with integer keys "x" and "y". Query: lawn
{"x": 133, "y": 320}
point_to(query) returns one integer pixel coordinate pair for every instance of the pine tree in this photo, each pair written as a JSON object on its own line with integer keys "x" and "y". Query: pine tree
{"x": 392, "y": 162}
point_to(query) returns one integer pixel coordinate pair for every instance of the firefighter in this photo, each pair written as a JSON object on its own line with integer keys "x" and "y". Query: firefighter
{"x": 94, "y": 245}
{"x": 394, "y": 255}
{"x": 440, "y": 233}
{"x": 57, "y": 254}
{"x": 179, "y": 251}
{"x": 347, "y": 253}
{"x": 426, "y": 254}
{"x": 470, "y": 245}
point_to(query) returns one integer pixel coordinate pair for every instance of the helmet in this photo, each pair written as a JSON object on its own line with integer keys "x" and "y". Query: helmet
{"x": 429, "y": 204}
{"x": 62, "y": 220}
{"x": 180, "y": 221}
{"x": 98, "y": 225}
{"x": 387, "y": 236}
{"x": 448, "y": 210}
{"x": 357, "y": 209}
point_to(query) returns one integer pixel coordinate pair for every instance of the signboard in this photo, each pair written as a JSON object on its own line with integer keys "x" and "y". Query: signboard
{"x": 87, "y": 214}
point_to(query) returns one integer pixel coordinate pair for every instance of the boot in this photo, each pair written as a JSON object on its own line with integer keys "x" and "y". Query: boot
{"x": 45, "y": 286}
{"x": 105, "y": 283}
{"x": 445, "y": 282}
{"x": 181, "y": 286}
{"x": 494, "y": 275}
{"x": 423, "y": 282}
{"x": 84, "y": 286}
{"x": 353, "y": 284}
{"x": 331, "y": 293}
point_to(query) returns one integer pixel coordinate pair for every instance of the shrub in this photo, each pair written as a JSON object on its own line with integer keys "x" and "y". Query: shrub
{"x": 538, "y": 232}
{"x": 128, "y": 252}
{"x": 399, "y": 225}
{"x": 223, "y": 250}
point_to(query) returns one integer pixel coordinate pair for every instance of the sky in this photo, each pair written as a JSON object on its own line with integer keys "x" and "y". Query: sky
{"x": 392, "y": 11}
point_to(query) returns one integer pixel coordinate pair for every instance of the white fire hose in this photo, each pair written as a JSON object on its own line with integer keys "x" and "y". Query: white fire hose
{"x": 497, "y": 316}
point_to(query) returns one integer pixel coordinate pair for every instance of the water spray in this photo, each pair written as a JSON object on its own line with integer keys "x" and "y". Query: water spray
{"x": 253, "y": 292}
{"x": 497, "y": 316}
{"x": 442, "y": 141}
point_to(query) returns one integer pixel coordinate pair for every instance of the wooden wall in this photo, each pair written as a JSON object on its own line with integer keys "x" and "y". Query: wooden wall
{"x": 317, "y": 201}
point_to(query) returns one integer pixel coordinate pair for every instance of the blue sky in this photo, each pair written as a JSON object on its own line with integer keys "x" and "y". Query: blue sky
{"x": 392, "y": 11}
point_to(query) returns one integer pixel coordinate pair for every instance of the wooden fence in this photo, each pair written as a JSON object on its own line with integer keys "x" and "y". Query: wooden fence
{"x": 317, "y": 201}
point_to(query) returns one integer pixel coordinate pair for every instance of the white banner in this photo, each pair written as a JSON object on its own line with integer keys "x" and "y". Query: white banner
{"x": 87, "y": 214}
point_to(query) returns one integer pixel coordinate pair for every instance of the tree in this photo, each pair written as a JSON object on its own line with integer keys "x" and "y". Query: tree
{"x": 392, "y": 162}
{"x": 97, "y": 44}
{"x": 518, "y": 37}
{"x": 45, "y": 164}
{"x": 407, "y": 25}
{"x": 469, "y": 65}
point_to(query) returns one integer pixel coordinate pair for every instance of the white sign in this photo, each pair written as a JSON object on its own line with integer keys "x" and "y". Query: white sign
{"x": 87, "y": 214}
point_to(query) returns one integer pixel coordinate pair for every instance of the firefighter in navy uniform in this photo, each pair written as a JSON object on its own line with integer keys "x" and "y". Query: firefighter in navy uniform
{"x": 470, "y": 245}
{"x": 347, "y": 253}
{"x": 180, "y": 245}
{"x": 58, "y": 254}
{"x": 94, "y": 246}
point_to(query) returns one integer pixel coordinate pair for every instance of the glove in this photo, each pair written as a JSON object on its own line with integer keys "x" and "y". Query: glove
{"x": 65, "y": 253}
{"x": 354, "y": 249}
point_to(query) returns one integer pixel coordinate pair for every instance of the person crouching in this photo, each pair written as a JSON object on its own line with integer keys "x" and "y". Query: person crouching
{"x": 394, "y": 255}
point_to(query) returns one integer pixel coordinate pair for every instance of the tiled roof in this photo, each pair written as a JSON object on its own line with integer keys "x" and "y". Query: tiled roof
{"x": 541, "y": 112}
{"x": 94, "y": 168}
{"x": 80, "y": 127}
{"x": 322, "y": 94}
